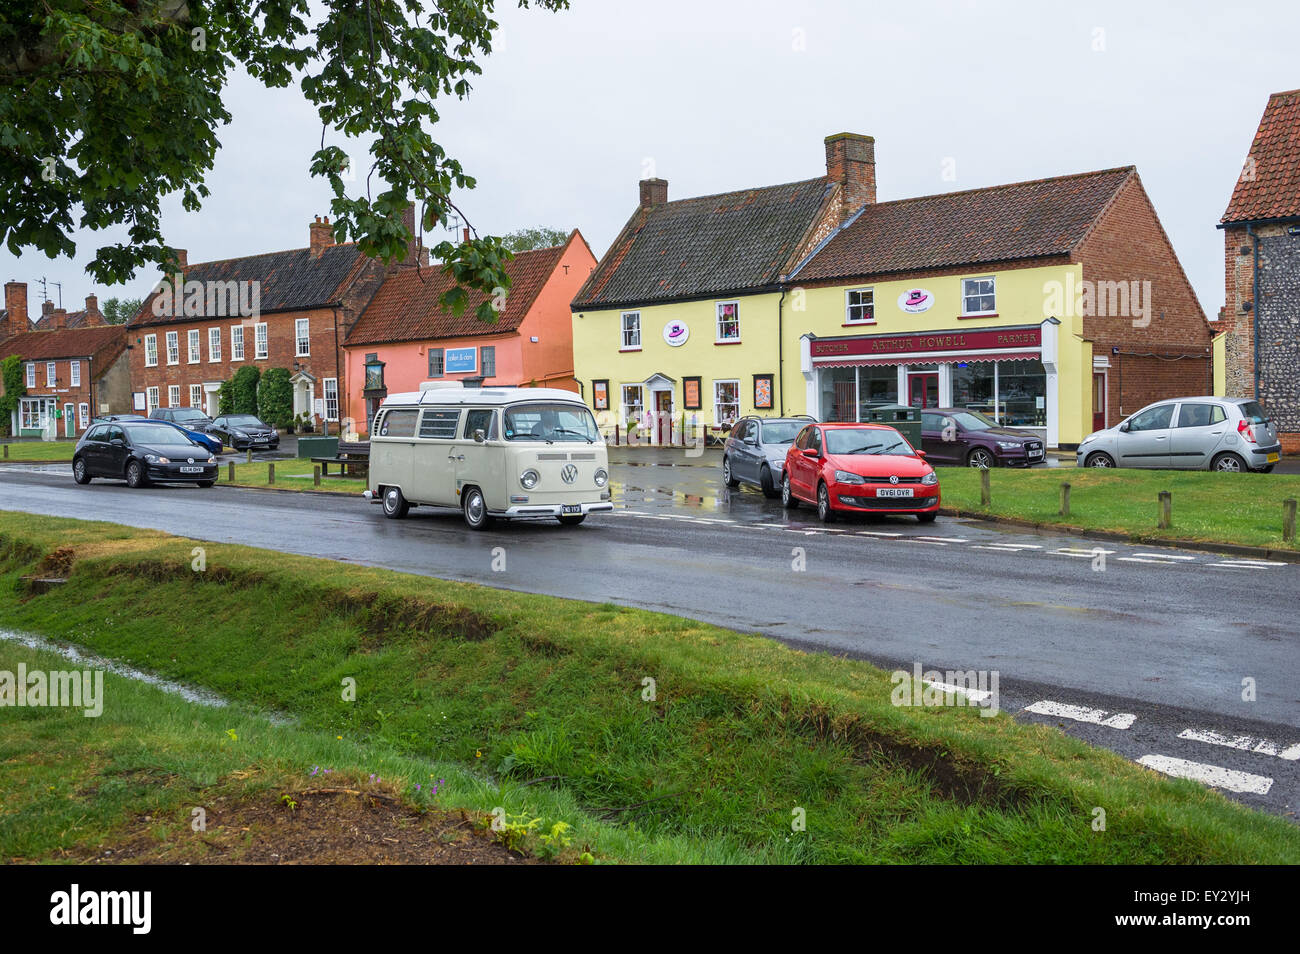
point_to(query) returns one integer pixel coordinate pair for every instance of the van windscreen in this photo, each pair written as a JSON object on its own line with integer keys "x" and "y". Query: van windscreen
{"x": 549, "y": 423}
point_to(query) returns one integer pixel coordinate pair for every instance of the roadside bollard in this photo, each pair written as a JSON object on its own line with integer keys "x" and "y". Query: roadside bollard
{"x": 1288, "y": 520}
{"x": 250, "y": 455}
{"x": 230, "y": 471}
{"x": 1065, "y": 499}
{"x": 1166, "y": 510}
{"x": 6, "y": 452}
{"x": 986, "y": 495}
{"x": 315, "y": 475}
{"x": 270, "y": 472}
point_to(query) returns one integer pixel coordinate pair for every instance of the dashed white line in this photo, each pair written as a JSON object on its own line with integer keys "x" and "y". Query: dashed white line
{"x": 1004, "y": 547}
{"x": 876, "y": 533}
{"x": 1165, "y": 556}
{"x": 1213, "y": 775}
{"x": 1079, "y": 552}
{"x": 1246, "y": 743}
{"x": 975, "y": 695}
{"x": 1120, "y": 720}
{"x": 1247, "y": 564}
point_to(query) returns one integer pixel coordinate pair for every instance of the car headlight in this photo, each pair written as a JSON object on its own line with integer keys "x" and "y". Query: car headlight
{"x": 844, "y": 477}
{"x": 155, "y": 459}
{"x": 529, "y": 479}
{"x": 211, "y": 459}
{"x": 602, "y": 477}
{"x": 1009, "y": 445}
{"x": 930, "y": 479}
{"x": 1087, "y": 439}
{"x": 238, "y": 434}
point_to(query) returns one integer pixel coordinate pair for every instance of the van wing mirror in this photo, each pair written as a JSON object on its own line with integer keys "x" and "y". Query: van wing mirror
{"x": 479, "y": 436}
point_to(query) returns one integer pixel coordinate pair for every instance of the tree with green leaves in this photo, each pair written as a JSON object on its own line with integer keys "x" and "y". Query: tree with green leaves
{"x": 243, "y": 390}
{"x": 275, "y": 398}
{"x": 106, "y": 106}
{"x": 15, "y": 387}
{"x": 118, "y": 311}
{"x": 525, "y": 240}
{"x": 226, "y": 398}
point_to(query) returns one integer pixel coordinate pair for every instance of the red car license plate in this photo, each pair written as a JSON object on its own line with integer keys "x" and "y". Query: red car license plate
{"x": 894, "y": 492}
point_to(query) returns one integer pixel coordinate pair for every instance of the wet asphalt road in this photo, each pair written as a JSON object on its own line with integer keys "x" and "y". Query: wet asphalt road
{"x": 1164, "y": 636}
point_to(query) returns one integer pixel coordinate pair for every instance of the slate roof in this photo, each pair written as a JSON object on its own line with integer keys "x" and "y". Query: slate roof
{"x": 290, "y": 281}
{"x": 712, "y": 244}
{"x": 102, "y": 345}
{"x": 406, "y": 306}
{"x": 1273, "y": 191}
{"x": 1022, "y": 220}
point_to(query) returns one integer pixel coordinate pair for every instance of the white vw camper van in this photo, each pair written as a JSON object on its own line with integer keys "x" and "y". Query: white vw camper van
{"x": 490, "y": 452}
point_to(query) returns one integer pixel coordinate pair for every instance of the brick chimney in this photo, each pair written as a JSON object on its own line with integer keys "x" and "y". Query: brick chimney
{"x": 59, "y": 317}
{"x": 94, "y": 317}
{"x": 851, "y": 162}
{"x": 415, "y": 249}
{"x": 653, "y": 192}
{"x": 321, "y": 235}
{"x": 47, "y": 316}
{"x": 15, "y": 320}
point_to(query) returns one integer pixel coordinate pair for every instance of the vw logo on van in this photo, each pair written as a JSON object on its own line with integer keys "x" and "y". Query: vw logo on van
{"x": 569, "y": 474}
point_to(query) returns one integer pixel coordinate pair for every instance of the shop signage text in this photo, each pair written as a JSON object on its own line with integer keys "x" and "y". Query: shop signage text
{"x": 919, "y": 343}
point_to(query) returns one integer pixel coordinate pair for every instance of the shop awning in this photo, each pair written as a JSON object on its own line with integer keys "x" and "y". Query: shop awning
{"x": 922, "y": 358}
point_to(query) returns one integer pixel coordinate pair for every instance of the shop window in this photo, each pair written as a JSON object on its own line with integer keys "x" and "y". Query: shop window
{"x": 1022, "y": 393}
{"x": 977, "y": 296}
{"x": 633, "y": 402}
{"x": 859, "y": 307}
{"x": 847, "y": 393}
{"x": 726, "y": 401}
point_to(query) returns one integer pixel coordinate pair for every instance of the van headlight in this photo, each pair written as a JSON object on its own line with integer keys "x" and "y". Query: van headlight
{"x": 529, "y": 479}
{"x": 602, "y": 477}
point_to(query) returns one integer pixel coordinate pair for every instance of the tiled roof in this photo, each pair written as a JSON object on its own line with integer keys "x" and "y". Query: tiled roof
{"x": 708, "y": 245}
{"x": 101, "y": 345}
{"x": 290, "y": 281}
{"x": 406, "y": 306}
{"x": 1269, "y": 186}
{"x": 1021, "y": 220}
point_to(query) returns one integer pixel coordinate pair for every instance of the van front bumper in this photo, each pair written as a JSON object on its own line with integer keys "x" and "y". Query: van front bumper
{"x": 549, "y": 510}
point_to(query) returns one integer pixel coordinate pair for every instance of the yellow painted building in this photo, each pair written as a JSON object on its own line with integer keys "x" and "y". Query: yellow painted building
{"x": 811, "y": 298}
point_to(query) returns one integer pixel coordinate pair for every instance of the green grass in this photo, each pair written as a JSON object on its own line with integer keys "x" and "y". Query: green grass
{"x": 293, "y": 474}
{"x": 39, "y": 450}
{"x": 1207, "y": 506}
{"x": 519, "y": 688}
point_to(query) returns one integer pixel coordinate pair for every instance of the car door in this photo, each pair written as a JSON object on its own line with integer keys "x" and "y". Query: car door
{"x": 438, "y": 453}
{"x": 474, "y": 461}
{"x": 116, "y": 452}
{"x": 939, "y": 437}
{"x": 745, "y": 466}
{"x": 1198, "y": 430}
{"x": 92, "y": 450}
{"x": 1145, "y": 442}
{"x": 806, "y": 464}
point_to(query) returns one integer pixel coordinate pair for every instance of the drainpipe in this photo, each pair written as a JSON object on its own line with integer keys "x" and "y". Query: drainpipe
{"x": 780, "y": 351}
{"x": 1250, "y": 230}
{"x": 338, "y": 383}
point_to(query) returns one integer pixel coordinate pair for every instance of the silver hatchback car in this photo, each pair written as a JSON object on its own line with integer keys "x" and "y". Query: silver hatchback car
{"x": 1191, "y": 433}
{"x": 755, "y": 449}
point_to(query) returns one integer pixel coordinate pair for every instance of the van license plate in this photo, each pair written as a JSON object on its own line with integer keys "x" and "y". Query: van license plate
{"x": 191, "y": 470}
{"x": 570, "y": 508}
{"x": 893, "y": 491}
{"x": 1273, "y": 458}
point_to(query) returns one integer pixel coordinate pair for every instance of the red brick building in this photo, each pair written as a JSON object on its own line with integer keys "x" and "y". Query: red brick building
{"x": 1261, "y": 248}
{"x": 75, "y": 365}
{"x": 289, "y": 310}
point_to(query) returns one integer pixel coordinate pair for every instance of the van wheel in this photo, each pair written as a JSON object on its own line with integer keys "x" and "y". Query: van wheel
{"x": 395, "y": 505}
{"x": 79, "y": 472}
{"x": 573, "y": 519}
{"x": 475, "y": 508}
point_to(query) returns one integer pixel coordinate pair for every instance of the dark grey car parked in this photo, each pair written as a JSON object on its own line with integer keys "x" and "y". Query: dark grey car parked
{"x": 142, "y": 452}
{"x": 754, "y": 452}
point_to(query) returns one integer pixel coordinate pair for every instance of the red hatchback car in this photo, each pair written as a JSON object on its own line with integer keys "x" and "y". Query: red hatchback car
{"x": 859, "y": 468}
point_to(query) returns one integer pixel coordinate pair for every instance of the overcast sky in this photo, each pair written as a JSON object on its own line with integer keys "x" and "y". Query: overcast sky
{"x": 713, "y": 95}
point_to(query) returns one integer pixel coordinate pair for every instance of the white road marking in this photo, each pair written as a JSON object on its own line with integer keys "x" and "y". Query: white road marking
{"x": 1247, "y": 564}
{"x": 1000, "y": 547}
{"x": 1081, "y": 552}
{"x": 978, "y": 695}
{"x": 1246, "y": 743}
{"x": 876, "y": 533}
{"x": 1145, "y": 560}
{"x": 1120, "y": 720}
{"x": 1213, "y": 775}
{"x": 943, "y": 539}
{"x": 1165, "y": 556}
{"x": 933, "y": 543}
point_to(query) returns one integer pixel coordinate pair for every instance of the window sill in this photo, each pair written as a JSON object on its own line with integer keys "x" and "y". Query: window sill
{"x": 731, "y": 341}
{"x": 981, "y": 314}
{"x": 627, "y": 350}
{"x": 858, "y": 324}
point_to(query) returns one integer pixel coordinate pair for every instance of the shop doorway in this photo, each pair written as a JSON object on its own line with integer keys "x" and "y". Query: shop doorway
{"x": 1098, "y": 401}
{"x": 923, "y": 389}
{"x": 663, "y": 417}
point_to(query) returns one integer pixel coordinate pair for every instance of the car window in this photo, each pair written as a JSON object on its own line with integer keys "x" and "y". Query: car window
{"x": 1152, "y": 419}
{"x": 931, "y": 422}
{"x": 745, "y": 431}
{"x": 1200, "y": 415}
{"x": 801, "y": 441}
{"x": 549, "y": 422}
{"x": 399, "y": 422}
{"x": 779, "y": 432}
{"x": 115, "y": 434}
{"x": 480, "y": 419}
{"x": 439, "y": 423}
{"x": 815, "y": 440}
{"x": 1253, "y": 412}
{"x": 96, "y": 433}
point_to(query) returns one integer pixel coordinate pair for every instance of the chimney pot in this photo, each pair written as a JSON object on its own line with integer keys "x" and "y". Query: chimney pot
{"x": 16, "y": 318}
{"x": 653, "y": 192}
{"x": 465, "y": 234}
{"x": 851, "y": 163}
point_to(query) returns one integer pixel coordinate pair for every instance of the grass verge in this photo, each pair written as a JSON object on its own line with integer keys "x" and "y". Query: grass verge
{"x": 542, "y": 698}
{"x": 294, "y": 474}
{"x": 39, "y": 450}
{"x": 1207, "y": 507}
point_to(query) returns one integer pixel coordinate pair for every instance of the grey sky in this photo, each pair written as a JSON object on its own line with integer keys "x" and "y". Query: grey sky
{"x": 712, "y": 95}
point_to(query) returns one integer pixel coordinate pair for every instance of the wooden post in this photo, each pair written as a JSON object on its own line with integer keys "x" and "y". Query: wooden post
{"x": 6, "y": 452}
{"x": 315, "y": 475}
{"x": 1065, "y": 499}
{"x": 1166, "y": 510}
{"x": 250, "y": 455}
{"x": 230, "y": 471}
{"x": 270, "y": 472}
{"x": 615, "y": 435}
{"x": 986, "y": 495}
{"x": 1288, "y": 520}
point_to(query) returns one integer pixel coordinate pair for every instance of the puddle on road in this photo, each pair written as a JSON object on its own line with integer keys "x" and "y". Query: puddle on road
{"x": 91, "y": 660}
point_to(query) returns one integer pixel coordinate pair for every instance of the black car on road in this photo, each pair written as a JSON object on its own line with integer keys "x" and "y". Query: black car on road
{"x": 142, "y": 452}
{"x": 244, "y": 431}
{"x": 954, "y": 435}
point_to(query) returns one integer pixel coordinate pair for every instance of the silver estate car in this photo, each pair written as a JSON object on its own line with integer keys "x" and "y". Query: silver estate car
{"x": 754, "y": 452}
{"x": 1191, "y": 433}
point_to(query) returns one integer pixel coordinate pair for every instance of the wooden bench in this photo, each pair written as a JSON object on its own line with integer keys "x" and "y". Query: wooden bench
{"x": 352, "y": 454}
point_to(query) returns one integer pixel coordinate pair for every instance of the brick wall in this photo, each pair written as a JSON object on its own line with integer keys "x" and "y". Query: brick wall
{"x": 1168, "y": 357}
